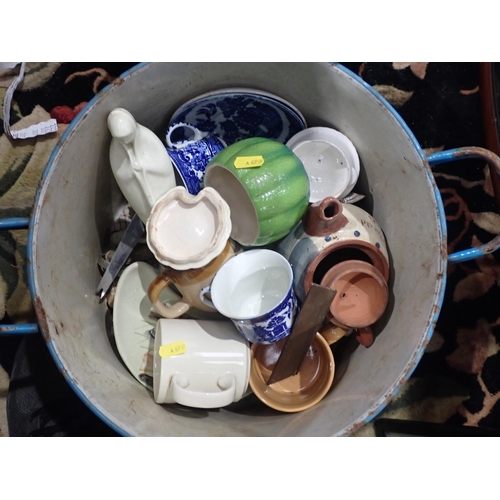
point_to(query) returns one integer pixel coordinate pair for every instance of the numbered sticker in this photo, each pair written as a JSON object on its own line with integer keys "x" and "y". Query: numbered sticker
{"x": 174, "y": 349}
{"x": 248, "y": 161}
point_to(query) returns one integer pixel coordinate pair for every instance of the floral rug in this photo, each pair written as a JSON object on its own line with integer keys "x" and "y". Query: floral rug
{"x": 457, "y": 381}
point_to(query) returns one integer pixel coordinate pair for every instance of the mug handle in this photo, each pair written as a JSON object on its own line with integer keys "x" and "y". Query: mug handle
{"x": 204, "y": 299}
{"x": 461, "y": 154}
{"x": 182, "y": 395}
{"x": 198, "y": 135}
{"x": 155, "y": 288}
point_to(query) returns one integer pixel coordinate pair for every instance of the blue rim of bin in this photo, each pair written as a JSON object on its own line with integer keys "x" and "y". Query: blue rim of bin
{"x": 441, "y": 279}
{"x": 30, "y": 274}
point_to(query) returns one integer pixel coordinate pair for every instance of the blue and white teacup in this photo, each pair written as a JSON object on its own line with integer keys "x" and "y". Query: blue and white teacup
{"x": 254, "y": 290}
{"x": 191, "y": 152}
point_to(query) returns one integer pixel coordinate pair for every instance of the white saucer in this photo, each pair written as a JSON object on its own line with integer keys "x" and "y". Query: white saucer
{"x": 131, "y": 323}
{"x": 330, "y": 159}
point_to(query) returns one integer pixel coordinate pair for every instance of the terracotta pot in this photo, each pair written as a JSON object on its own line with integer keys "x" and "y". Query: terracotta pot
{"x": 329, "y": 233}
{"x": 362, "y": 293}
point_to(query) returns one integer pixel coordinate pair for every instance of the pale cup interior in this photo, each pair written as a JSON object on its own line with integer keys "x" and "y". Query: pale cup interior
{"x": 327, "y": 166}
{"x": 244, "y": 219}
{"x": 251, "y": 284}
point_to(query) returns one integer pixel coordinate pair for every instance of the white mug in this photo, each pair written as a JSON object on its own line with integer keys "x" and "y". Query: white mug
{"x": 254, "y": 289}
{"x": 199, "y": 363}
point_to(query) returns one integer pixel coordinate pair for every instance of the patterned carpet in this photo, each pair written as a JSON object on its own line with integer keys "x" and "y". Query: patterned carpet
{"x": 458, "y": 379}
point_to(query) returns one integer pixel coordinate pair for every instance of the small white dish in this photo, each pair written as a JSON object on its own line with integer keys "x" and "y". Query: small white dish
{"x": 330, "y": 159}
{"x": 132, "y": 326}
{"x": 186, "y": 231}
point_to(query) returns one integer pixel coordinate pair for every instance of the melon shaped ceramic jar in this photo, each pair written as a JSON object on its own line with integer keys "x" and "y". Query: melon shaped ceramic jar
{"x": 265, "y": 185}
{"x": 329, "y": 233}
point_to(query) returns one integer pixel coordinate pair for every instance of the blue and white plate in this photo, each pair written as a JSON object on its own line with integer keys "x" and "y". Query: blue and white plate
{"x": 236, "y": 114}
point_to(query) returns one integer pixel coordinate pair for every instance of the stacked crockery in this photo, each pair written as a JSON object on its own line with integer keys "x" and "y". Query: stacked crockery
{"x": 251, "y": 225}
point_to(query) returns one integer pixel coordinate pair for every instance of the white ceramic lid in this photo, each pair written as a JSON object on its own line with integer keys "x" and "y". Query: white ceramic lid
{"x": 185, "y": 231}
{"x": 330, "y": 159}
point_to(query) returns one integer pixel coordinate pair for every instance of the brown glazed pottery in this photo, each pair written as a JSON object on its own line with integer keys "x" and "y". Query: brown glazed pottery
{"x": 300, "y": 391}
{"x": 189, "y": 283}
{"x": 324, "y": 217}
{"x": 333, "y": 333}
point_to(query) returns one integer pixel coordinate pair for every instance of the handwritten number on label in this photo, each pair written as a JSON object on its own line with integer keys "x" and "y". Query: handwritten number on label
{"x": 174, "y": 349}
{"x": 248, "y": 161}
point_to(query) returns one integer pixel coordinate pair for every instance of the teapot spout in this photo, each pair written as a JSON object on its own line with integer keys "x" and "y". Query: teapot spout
{"x": 324, "y": 217}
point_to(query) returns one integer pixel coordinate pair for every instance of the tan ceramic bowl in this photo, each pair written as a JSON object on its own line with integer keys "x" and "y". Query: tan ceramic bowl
{"x": 298, "y": 392}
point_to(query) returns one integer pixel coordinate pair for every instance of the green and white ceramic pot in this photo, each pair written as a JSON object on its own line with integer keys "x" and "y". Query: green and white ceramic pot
{"x": 265, "y": 185}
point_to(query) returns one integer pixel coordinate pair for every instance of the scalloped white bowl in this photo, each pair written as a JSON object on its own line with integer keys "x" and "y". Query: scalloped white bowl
{"x": 185, "y": 231}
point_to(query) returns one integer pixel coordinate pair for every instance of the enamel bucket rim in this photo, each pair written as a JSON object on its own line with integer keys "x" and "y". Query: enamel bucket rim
{"x": 440, "y": 278}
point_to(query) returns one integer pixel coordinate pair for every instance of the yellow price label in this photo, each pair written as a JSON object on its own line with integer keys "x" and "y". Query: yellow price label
{"x": 173, "y": 349}
{"x": 248, "y": 161}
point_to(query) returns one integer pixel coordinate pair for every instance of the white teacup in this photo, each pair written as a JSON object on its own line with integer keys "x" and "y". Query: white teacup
{"x": 254, "y": 289}
{"x": 199, "y": 363}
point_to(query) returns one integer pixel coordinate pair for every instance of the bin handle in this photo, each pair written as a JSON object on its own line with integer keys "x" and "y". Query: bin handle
{"x": 461, "y": 154}
{"x": 15, "y": 223}
{"x": 447, "y": 156}
{"x": 24, "y": 328}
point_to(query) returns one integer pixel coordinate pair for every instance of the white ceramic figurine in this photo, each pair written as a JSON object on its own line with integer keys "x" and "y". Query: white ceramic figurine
{"x": 140, "y": 162}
